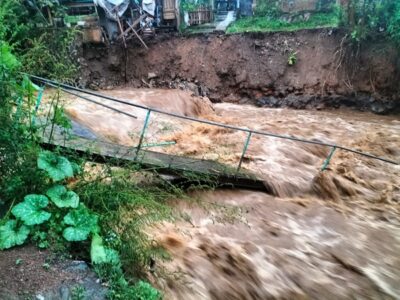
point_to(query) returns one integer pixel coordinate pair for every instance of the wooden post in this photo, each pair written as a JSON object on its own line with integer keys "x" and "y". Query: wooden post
{"x": 136, "y": 22}
{"x": 120, "y": 28}
{"x": 138, "y": 36}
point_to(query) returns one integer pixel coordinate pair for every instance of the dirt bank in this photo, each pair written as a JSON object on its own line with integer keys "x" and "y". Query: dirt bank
{"x": 253, "y": 68}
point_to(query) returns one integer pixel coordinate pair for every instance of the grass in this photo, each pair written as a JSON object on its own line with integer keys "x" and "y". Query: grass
{"x": 264, "y": 24}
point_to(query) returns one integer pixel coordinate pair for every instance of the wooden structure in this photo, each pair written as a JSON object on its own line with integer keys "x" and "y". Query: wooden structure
{"x": 201, "y": 170}
{"x": 202, "y": 15}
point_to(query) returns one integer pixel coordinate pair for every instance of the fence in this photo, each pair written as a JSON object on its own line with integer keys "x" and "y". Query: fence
{"x": 201, "y": 15}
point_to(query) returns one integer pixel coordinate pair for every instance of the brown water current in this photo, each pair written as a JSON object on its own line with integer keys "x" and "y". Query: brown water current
{"x": 319, "y": 235}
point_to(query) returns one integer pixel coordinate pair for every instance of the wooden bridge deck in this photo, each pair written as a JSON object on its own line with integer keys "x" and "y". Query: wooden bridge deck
{"x": 178, "y": 166}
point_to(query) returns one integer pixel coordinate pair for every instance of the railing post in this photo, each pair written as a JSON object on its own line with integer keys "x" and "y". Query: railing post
{"x": 38, "y": 101}
{"x": 246, "y": 145}
{"x": 146, "y": 123}
{"x": 328, "y": 159}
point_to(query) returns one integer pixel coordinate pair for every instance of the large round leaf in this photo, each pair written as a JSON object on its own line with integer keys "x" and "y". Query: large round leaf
{"x": 11, "y": 236}
{"x": 58, "y": 167}
{"x": 82, "y": 222}
{"x": 61, "y": 197}
{"x": 31, "y": 210}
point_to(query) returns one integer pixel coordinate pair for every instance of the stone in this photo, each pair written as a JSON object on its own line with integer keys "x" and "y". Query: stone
{"x": 151, "y": 75}
{"x": 64, "y": 293}
{"x": 258, "y": 43}
{"x": 203, "y": 91}
{"x": 193, "y": 88}
{"x": 241, "y": 76}
{"x": 231, "y": 98}
{"x": 77, "y": 265}
{"x": 268, "y": 102}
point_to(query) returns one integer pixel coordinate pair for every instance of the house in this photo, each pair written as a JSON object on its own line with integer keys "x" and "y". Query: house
{"x": 110, "y": 20}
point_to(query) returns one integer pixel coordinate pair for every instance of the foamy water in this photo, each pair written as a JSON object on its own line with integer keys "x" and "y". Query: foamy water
{"x": 332, "y": 234}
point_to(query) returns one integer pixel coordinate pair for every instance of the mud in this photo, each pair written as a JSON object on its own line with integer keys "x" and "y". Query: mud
{"x": 326, "y": 74}
{"x": 278, "y": 249}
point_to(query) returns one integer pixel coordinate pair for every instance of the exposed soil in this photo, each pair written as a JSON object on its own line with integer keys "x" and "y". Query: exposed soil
{"x": 253, "y": 68}
{"x": 27, "y": 272}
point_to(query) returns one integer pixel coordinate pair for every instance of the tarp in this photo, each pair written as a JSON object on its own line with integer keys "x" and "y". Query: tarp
{"x": 113, "y": 7}
{"x": 149, "y": 6}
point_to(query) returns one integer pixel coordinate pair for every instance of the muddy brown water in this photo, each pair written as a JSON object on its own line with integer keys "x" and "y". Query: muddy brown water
{"x": 320, "y": 235}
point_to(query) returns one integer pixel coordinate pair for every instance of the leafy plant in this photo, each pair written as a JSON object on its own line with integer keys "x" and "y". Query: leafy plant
{"x": 78, "y": 293}
{"x": 292, "y": 59}
{"x": 268, "y": 8}
{"x": 82, "y": 222}
{"x": 61, "y": 197}
{"x": 100, "y": 254}
{"x": 46, "y": 266}
{"x": 43, "y": 52}
{"x": 61, "y": 119}
{"x": 30, "y": 211}
{"x": 365, "y": 19}
{"x": 144, "y": 291}
{"x": 57, "y": 167}
{"x": 12, "y": 235}
{"x": 7, "y": 60}
{"x": 41, "y": 238}
{"x": 192, "y": 5}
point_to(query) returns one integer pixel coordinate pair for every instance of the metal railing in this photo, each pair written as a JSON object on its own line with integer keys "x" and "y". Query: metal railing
{"x": 70, "y": 89}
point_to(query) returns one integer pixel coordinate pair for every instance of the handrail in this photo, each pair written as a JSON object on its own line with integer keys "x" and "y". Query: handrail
{"x": 66, "y": 87}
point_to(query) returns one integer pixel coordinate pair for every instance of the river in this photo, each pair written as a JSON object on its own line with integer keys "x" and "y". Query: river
{"x": 318, "y": 235}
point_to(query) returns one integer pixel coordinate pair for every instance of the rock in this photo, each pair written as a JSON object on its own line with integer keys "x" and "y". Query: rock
{"x": 380, "y": 108}
{"x": 231, "y": 98}
{"x": 64, "y": 293}
{"x": 40, "y": 297}
{"x": 258, "y": 43}
{"x": 151, "y": 75}
{"x": 77, "y": 265}
{"x": 114, "y": 63}
{"x": 193, "y": 88}
{"x": 241, "y": 76}
{"x": 268, "y": 102}
{"x": 203, "y": 91}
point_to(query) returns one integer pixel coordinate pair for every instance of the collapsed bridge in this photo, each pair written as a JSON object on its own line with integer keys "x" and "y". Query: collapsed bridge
{"x": 170, "y": 163}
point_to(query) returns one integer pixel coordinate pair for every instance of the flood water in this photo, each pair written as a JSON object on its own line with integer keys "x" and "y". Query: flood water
{"x": 318, "y": 235}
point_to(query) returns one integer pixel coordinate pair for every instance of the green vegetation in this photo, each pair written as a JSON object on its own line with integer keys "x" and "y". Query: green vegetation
{"x": 191, "y": 5}
{"x": 363, "y": 19}
{"x": 39, "y": 201}
{"x": 269, "y": 24}
{"x": 292, "y": 59}
{"x": 63, "y": 203}
{"x": 42, "y": 48}
{"x": 366, "y": 19}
